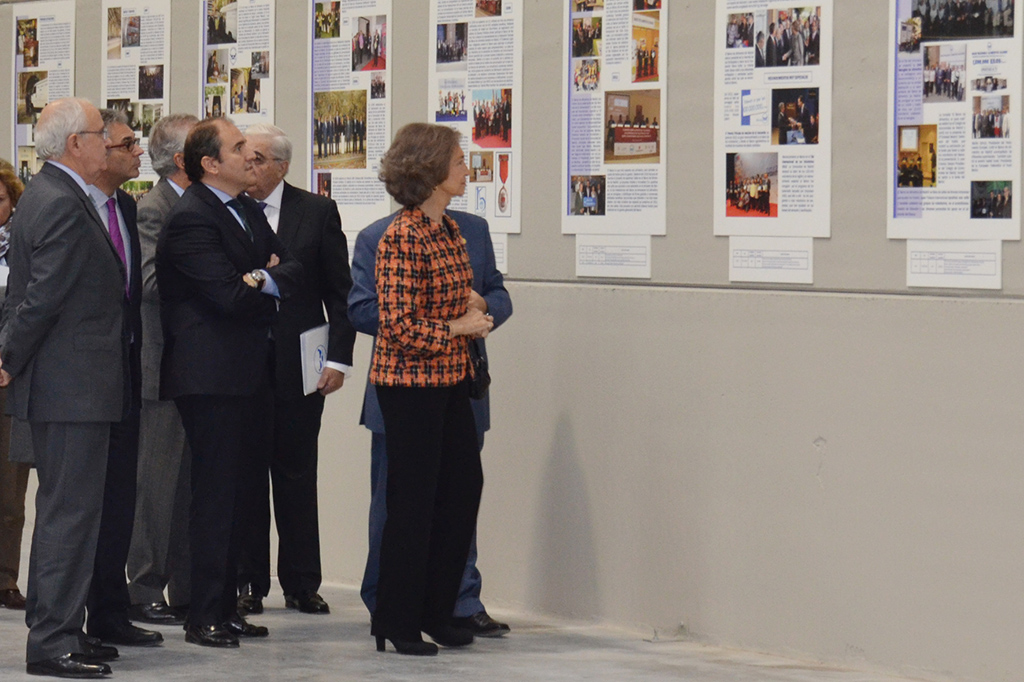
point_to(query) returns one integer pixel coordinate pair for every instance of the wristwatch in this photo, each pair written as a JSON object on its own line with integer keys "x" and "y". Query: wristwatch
{"x": 259, "y": 278}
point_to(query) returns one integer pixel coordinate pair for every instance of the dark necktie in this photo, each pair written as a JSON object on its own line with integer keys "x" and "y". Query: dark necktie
{"x": 115, "y": 236}
{"x": 237, "y": 205}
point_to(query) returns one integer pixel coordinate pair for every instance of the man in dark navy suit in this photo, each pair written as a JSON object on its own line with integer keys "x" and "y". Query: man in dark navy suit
{"x": 220, "y": 271}
{"x": 108, "y": 595}
{"x": 490, "y": 295}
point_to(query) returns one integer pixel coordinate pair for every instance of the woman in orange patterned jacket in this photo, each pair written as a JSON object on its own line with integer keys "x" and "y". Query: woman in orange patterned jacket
{"x": 421, "y": 369}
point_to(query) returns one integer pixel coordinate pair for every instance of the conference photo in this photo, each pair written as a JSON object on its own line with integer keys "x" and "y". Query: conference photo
{"x": 752, "y": 185}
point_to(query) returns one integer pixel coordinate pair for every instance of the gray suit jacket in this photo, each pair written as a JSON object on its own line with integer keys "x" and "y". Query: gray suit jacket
{"x": 154, "y": 210}
{"x": 64, "y": 336}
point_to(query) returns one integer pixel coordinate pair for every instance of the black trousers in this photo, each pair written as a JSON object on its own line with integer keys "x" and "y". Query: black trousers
{"x": 433, "y": 495}
{"x": 292, "y": 467}
{"x": 108, "y": 594}
{"x": 220, "y": 434}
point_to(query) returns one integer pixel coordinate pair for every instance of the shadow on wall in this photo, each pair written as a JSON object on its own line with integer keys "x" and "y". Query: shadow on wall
{"x": 564, "y": 571}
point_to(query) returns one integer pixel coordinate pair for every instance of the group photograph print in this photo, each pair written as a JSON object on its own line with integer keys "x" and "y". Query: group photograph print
{"x": 787, "y": 37}
{"x": 752, "y": 185}
{"x": 964, "y": 19}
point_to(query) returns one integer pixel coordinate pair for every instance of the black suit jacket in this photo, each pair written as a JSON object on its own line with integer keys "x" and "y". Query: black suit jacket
{"x": 133, "y": 305}
{"x": 216, "y": 328}
{"x": 311, "y": 229}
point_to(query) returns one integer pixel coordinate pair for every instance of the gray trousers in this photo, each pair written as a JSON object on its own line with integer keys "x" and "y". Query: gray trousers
{"x": 71, "y": 464}
{"x": 159, "y": 554}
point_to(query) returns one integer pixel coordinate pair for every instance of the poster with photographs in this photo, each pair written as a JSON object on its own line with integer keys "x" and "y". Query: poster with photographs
{"x": 475, "y": 83}
{"x": 350, "y": 106}
{"x": 44, "y": 70}
{"x": 136, "y": 63}
{"x": 615, "y": 67}
{"x": 237, "y": 62}
{"x": 954, "y": 115}
{"x": 773, "y": 119}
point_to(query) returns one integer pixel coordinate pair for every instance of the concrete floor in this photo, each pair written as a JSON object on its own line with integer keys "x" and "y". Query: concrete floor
{"x": 338, "y": 648}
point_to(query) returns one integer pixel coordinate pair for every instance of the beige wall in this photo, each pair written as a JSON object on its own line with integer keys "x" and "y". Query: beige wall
{"x": 830, "y": 474}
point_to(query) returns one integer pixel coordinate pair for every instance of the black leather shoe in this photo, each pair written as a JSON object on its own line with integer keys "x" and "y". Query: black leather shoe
{"x": 240, "y": 627}
{"x": 157, "y": 613}
{"x": 450, "y": 636}
{"x": 127, "y": 634}
{"x": 307, "y": 602}
{"x": 94, "y": 651}
{"x": 249, "y": 601}
{"x": 69, "y": 666}
{"x": 482, "y": 625}
{"x": 12, "y": 599}
{"x": 210, "y": 635}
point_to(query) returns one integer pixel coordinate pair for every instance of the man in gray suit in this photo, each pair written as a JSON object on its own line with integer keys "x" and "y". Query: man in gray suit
{"x": 65, "y": 355}
{"x": 159, "y": 556}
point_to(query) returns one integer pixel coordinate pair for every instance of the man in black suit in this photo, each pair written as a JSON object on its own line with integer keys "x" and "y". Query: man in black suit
{"x": 772, "y": 50}
{"x": 108, "y": 596}
{"x": 310, "y": 227}
{"x": 65, "y": 355}
{"x": 759, "y": 57}
{"x": 220, "y": 270}
{"x": 159, "y": 556}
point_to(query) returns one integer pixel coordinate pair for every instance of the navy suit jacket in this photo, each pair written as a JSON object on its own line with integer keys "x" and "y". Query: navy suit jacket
{"x": 364, "y": 312}
{"x": 216, "y": 328}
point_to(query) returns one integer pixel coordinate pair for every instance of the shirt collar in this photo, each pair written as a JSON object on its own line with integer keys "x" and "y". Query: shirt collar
{"x": 97, "y": 195}
{"x": 74, "y": 176}
{"x": 177, "y": 189}
{"x": 274, "y": 199}
{"x": 220, "y": 194}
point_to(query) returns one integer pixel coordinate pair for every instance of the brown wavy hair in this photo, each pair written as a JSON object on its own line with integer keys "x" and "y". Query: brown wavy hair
{"x": 419, "y": 160}
{"x": 13, "y": 184}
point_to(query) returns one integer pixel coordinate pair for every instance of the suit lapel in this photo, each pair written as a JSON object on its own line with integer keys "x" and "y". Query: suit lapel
{"x": 291, "y": 215}
{"x": 91, "y": 210}
{"x": 227, "y": 222}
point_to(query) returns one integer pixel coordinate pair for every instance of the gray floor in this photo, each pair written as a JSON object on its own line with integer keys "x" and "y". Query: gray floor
{"x": 338, "y": 647}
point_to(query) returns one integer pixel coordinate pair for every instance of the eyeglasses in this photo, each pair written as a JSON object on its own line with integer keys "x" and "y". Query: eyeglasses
{"x": 260, "y": 160}
{"x": 127, "y": 144}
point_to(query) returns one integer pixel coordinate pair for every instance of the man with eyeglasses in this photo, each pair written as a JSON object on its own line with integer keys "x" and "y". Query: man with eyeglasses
{"x": 309, "y": 225}
{"x": 108, "y": 596}
{"x": 65, "y": 344}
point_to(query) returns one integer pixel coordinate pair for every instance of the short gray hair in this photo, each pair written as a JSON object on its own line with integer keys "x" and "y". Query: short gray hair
{"x": 65, "y": 117}
{"x": 280, "y": 145}
{"x": 112, "y": 116}
{"x": 167, "y": 139}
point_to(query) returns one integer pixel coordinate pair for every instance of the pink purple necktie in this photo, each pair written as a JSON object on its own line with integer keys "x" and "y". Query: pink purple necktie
{"x": 115, "y": 236}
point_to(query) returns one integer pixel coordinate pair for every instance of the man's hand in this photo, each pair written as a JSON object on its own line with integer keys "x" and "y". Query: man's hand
{"x": 330, "y": 381}
{"x": 249, "y": 280}
{"x": 477, "y": 301}
{"x": 5, "y": 378}
{"x": 274, "y": 260}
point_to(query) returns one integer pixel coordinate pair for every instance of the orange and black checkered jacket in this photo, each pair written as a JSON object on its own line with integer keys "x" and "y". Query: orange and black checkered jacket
{"x": 423, "y": 280}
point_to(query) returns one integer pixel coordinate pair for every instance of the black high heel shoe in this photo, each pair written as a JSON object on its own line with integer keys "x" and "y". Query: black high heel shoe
{"x": 409, "y": 648}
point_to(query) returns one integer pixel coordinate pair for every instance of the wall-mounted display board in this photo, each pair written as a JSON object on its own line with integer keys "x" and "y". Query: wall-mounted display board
{"x": 135, "y": 78}
{"x": 954, "y": 165}
{"x": 773, "y": 136}
{"x": 859, "y": 254}
{"x": 238, "y": 61}
{"x": 44, "y": 70}
{"x": 614, "y": 157}
{"x": 475, "y": 85}
{"x": 350, "y": 105}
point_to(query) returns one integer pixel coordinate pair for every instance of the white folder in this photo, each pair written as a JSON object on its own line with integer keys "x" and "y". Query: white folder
{"x": 313, "y": 347}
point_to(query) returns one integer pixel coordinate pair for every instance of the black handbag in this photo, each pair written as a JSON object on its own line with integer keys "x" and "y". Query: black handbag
{"x": 481, "y": 380}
